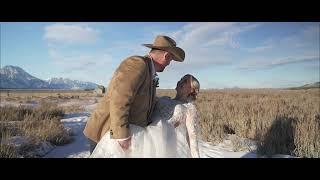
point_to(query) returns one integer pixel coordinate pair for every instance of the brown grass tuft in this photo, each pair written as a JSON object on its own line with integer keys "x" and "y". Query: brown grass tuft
{"x": 37, "y": 125}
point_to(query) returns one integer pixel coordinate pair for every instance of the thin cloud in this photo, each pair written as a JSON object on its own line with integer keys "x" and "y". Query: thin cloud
{"x": 70, "y": 34}
{"x": 313, "y": 66}
{"x": 264, "y": 63}
{"x": 213, "y": 34}
{"x": 199, "y": 34}
{"x": 282, "y": 83}
{"x": 312, "y": 32}
{"x": 208, "y": 44}
{"x": 80, "y": 61}
{"x": 259, "y": 48}
{"x": 303, "y": 38}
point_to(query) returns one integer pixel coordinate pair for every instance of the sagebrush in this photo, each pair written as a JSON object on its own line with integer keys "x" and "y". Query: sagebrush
{"x": 35, "y": 124}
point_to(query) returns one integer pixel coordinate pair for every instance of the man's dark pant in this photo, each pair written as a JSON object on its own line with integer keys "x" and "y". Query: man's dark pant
{"x": 92, "y": 145}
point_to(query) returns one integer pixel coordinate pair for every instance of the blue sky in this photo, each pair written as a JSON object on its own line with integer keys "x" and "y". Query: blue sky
{"x": 219, "y": 54}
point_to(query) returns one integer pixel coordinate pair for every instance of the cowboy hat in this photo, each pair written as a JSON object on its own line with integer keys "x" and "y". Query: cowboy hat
{"x": 167, "y": 44}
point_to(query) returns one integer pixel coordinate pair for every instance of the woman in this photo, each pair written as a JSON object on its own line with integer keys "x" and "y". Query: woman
{"x": 172, "y": 133}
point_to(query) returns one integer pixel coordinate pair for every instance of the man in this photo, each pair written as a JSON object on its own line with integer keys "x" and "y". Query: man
{"x": 131, "y": 93}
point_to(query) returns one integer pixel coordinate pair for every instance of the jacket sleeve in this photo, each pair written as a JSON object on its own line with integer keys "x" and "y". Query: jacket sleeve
{"x": 192, "y": 121}
{"x": 124, "y": 86}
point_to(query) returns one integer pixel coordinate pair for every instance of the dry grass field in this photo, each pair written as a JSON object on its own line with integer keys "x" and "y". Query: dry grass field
{"x": 33, "y": 125}
{"x": 25, "y": 96}
{"x": 282, "y": 121}
{"x": 37, "y": 124}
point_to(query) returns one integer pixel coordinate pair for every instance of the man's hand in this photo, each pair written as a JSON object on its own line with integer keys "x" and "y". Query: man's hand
{"x": 125, "y": 144}
{"x": 176, "y": 124}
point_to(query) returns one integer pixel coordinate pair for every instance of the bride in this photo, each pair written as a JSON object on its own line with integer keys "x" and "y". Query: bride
{"x": 172, "y": 133}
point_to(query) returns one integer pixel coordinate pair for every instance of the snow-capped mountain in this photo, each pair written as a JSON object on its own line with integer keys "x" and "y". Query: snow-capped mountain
{"x": 16, "y": 77}
{"x": 65, "y": 83}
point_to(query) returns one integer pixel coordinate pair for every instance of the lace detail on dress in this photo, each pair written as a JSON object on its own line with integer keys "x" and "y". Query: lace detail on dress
{"x": 168, "y": 109}
{"x": 187, "y": 116}
{"x": 192, "y": 120}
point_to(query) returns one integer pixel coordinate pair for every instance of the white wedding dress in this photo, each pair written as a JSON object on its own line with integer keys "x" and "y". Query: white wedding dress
{"x": 160, "y": 139}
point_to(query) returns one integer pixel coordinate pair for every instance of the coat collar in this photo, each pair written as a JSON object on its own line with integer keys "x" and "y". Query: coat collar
{"x": 151, "y": 65}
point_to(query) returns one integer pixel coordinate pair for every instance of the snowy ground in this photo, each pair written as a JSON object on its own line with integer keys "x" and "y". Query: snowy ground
{"x": 79, "y": 147}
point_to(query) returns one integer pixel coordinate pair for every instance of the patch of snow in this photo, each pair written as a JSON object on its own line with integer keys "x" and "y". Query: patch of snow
{"x": 17, "y": 104}
{"x": 16, "y": 141}
{"x": 39, "y": 151}
{"x": 91, "y": 107}
{"x": 43, "y": 149}
{"x": 79, "y": 148}
{"x": 75, "y": 117}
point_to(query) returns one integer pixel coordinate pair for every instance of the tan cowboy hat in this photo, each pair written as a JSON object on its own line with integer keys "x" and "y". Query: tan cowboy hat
{"x": 167, "y": 44}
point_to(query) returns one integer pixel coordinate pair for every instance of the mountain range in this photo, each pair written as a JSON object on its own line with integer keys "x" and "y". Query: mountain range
{"x": 307, "y": 86}
{"x": 14, "y": 77}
